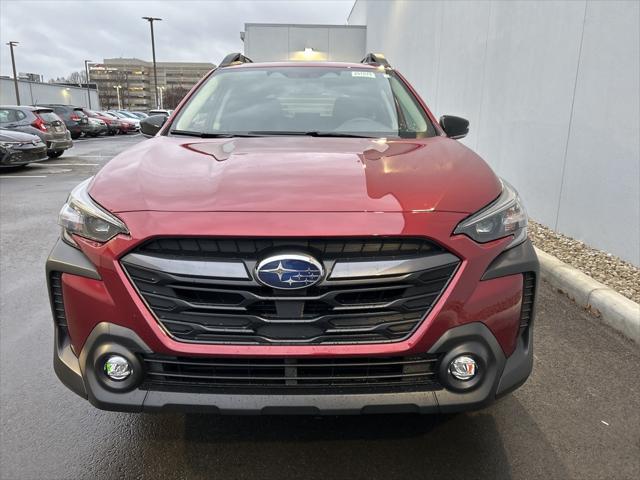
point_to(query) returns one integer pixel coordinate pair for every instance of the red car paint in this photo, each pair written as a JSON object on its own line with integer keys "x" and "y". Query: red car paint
{"x": 276, "y": 174}
{"x": 248, "y": 187}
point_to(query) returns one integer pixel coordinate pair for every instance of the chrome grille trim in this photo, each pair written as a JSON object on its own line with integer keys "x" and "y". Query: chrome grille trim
{"x": 239, "y": 270}
{"x": 387, "y": 268}
{"x": 200, "y": 268}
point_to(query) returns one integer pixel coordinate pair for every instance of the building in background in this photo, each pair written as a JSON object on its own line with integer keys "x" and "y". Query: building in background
{"x": 31, "y": 77}
{"x": 128, "y": 82}
{"x": 267, "y": 42}
{"x": 551, "y": 90}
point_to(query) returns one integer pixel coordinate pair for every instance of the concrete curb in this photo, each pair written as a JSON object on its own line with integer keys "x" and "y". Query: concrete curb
{"x": 615, "y": 310}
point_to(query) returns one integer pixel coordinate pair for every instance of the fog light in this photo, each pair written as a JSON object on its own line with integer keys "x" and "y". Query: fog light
{"x": 463, "y": 367}
{"x": 117, "y": 368}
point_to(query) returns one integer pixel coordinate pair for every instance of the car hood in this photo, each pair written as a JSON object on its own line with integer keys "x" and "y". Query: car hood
{"x": 296, "y": 174}
{"x": 13, "y": 136}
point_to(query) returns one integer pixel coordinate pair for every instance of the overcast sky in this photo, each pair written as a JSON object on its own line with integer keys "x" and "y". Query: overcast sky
{"x": 57, "y": 36}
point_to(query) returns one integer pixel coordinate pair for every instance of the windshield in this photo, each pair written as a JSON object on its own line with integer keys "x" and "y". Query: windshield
{"x": 304, "y": 100}
{"x": 48, "y": 116}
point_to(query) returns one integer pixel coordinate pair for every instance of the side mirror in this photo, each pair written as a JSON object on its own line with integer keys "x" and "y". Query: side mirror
{"x": 151, "y": 125}
{"x": 454, "y": 127}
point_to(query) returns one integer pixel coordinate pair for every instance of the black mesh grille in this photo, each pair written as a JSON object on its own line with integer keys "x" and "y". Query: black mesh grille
{"x": 210, "y": 310}
{"x": 59, "y": 314}
{"x": 251, "y": 248}
{"x": 528, "y": 294}
{"x": 27, "y": 155}
{"x": 297, "y": 375}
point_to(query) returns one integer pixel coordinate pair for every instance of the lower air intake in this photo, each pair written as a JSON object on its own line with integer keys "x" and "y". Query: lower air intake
{"x": 327, "y": 374}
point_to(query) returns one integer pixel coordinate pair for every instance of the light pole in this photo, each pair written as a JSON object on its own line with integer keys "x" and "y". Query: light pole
{"x": 153, "y": 52}
{"x": 86, "y": 70}
{"x": 15, "y": 77}
{"x": 161, "y": 97}
{"x": 118, "y": 87}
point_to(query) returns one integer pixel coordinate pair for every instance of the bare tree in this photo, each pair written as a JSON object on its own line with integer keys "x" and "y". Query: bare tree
{"x": 171, "y": 96}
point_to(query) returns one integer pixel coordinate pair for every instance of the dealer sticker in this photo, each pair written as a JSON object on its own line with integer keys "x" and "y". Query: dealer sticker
{"x": 363, "y": 74}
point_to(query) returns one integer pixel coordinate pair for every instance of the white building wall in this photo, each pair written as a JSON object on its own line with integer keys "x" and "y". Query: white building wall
{"x": 276, "y": 42}
{"x": 552, "y": 93}
{"x": 37, "y": 93}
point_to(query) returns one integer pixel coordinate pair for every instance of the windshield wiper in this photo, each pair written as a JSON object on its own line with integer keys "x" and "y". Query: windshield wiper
{"x": 209, "y": 135}
{"x": 310, "y": 134}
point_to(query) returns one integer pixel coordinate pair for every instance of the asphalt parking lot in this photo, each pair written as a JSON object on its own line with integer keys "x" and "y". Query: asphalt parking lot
{"x": 577, "y": 417}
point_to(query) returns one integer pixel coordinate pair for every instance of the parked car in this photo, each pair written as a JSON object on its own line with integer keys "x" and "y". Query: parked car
{"x": 96, "y": 127}
{"x": 140, "y": 115}
{"x": 73, "y": 117}
{"x": 160, "y": 112}
{"x": 20, "y": 149}
{"x": 342, "y": 253}
{"x": 128, "y": 124}
{"x": 123, "y": 126}
{"x": 40, "y": 121}
{"x": 113, "y": 124}
{"x": 128, "y": 114}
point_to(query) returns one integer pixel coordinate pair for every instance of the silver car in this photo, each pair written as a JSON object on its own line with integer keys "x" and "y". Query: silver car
{"x": 40, "y": 121}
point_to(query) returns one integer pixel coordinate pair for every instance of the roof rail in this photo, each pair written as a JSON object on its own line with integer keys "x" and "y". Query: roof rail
{"x": 234, "y": 59}
{"x": 375, "y": 59}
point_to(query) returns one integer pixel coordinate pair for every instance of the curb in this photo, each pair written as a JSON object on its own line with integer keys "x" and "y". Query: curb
{"x": 614, "y": 309}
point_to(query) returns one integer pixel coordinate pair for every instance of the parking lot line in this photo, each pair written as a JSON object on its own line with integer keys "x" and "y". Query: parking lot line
{"x": 69, "y": 164}
{"x": 23, "y": 176}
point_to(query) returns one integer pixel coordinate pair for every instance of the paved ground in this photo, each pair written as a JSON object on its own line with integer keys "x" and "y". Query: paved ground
{"x": 577, "y": 417}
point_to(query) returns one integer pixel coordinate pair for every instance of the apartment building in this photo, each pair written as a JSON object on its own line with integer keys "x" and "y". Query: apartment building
{"x": 128, "y": 82}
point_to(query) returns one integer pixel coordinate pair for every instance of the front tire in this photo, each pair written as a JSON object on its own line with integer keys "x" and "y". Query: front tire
{"x": 75, "y": 136}
{"x": 54, "y": 153}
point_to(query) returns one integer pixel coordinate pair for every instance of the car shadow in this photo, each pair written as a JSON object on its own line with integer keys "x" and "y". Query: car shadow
{"x": 469, "y": 445}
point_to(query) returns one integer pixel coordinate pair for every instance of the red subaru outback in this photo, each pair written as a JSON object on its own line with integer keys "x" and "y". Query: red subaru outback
{"x": 295, "y": 238}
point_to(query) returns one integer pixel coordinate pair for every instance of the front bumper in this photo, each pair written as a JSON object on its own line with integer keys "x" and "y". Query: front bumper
{"x": 83, "y": 375}
{"x": 16, "y": 156}
{"x": 502, "y": 373}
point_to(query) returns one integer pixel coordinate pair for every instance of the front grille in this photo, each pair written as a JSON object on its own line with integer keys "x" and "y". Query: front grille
{"x": 330, "y": 375}
{"x": 27, "y": 155}
{"x": 251, "y": 248}
{"x": 208, "y": 309}
{"x": 528, "y": 297}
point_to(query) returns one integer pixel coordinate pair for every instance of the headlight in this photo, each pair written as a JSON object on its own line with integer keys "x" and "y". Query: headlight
{"x": 9, "y": 144}
{"x": 82, "y": 216}
{"x": 504, "y": 217}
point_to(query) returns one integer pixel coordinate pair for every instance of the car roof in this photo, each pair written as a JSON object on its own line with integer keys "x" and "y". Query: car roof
{"x": 22, "y": 107}
{"x": 57, "y": 105}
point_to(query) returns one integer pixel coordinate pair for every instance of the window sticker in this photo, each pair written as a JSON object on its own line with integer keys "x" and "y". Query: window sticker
{"x": 363, "y": 74}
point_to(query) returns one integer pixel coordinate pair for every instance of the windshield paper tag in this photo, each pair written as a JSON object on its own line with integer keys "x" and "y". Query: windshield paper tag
{"x": 363, "y": 74}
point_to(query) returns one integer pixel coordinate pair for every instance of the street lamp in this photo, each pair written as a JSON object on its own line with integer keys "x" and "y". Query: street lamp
{"x": 15, "y": 77}
{"x": 118, "y": 87}
{"x": 86, "y": 70}
{"x": 161, "y": 97}
{"x": 153, "y": 52}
